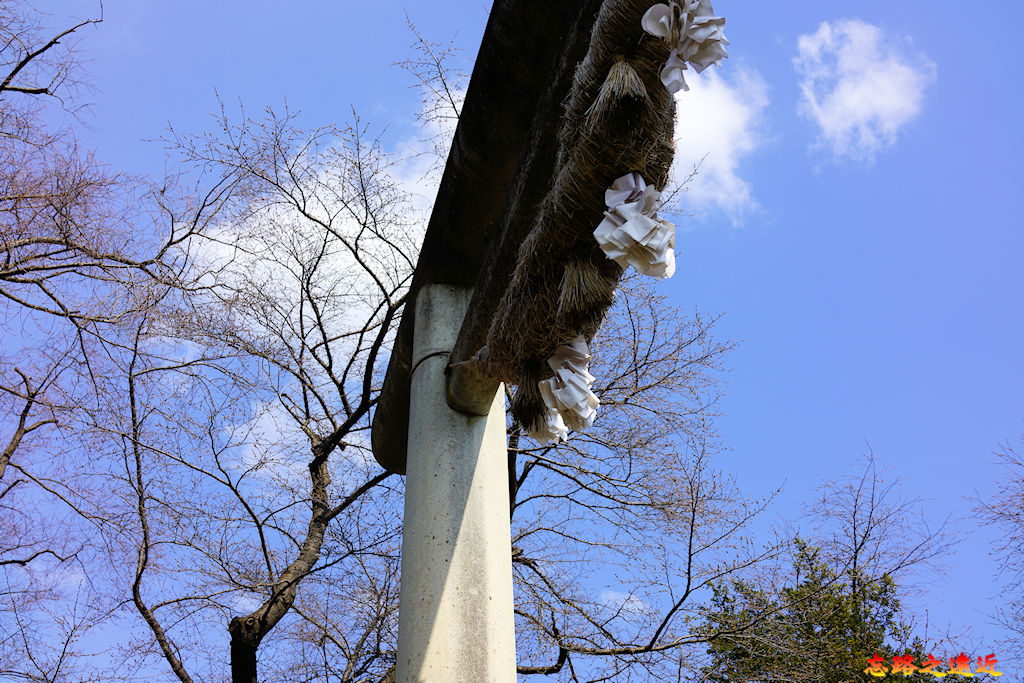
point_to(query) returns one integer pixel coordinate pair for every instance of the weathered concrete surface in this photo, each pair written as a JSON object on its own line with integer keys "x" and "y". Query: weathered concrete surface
{"x": 455, "y": 607}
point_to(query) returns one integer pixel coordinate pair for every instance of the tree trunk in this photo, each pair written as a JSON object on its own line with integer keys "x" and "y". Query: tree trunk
{"x": 245, "y": 640}
{"x": 249, "y": 631}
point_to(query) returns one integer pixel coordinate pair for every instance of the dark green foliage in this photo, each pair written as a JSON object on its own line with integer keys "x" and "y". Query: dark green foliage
{"x": 822, "y": 626}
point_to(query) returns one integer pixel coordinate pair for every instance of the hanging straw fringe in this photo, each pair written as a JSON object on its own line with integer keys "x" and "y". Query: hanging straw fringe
{"x": 622, "y": 81}
{"x": 582, "y": 286}
{"x": 563, "y": 283}
{"x": 527, "y": 405}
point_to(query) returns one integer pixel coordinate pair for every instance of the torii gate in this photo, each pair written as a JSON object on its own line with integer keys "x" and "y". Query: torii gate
{"x": 564, "y": 97}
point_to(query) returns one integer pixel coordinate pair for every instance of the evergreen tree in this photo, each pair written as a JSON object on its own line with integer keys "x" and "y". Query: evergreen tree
{"x": 824, "y": 626}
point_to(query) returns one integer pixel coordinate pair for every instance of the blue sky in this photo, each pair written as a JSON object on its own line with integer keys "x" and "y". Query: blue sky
{"x": 867, "y": 245}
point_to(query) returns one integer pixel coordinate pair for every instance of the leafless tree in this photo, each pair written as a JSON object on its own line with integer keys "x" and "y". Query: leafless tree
{"x": 1004, "y": 508}
{"x": 238, "y": 408}
{"x": 79, "y": 263}
{"x": 869, "y": 527}
{"x": 158, "y": 342}
{"x": 618, "y": 534}
{"x": 55, "y": 252}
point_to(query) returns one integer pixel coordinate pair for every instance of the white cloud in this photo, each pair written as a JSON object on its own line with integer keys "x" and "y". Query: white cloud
{"x": 720, "y": 123}
{"x": 421, "y": 158}
{"x": 623, "y": 602}
{"x": 858, "y": 87}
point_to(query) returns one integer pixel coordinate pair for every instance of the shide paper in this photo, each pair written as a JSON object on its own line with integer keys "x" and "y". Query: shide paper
{"x": 567, "y": 396}
{"x": 553, "y": 429}
{"x": 694, "y": 35}
{"x": 631, "y": 233}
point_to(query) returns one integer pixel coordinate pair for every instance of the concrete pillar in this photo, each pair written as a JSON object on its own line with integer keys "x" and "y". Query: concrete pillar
{"x": 455, "y": 606}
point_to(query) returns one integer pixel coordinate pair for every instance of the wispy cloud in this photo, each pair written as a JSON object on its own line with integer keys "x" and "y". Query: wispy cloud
{"x": 859, "y": 87}
{"x": 623, "y": 602}
{"x": 719, "y": 123}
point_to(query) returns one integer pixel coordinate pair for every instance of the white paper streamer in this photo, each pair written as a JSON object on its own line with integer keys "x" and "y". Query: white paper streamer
{"x": 672, "y": 73}
{"x": 567, "y": 396}
{"x": 694, "y": 34}
{"x": 553, "y": 430}
{"x": 632, "y": 188}
{"x": 631, "y": 233}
